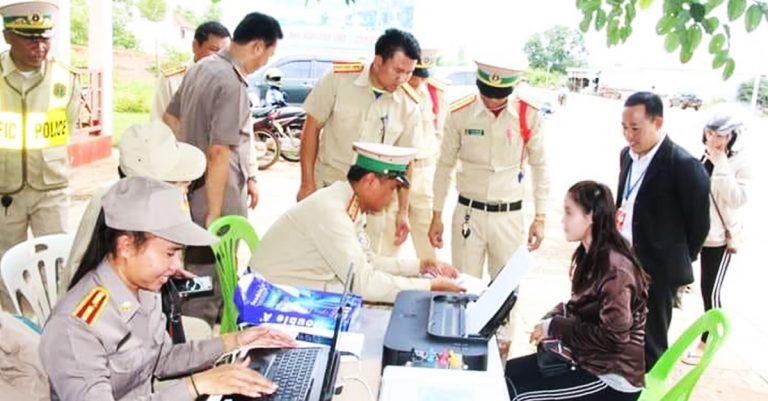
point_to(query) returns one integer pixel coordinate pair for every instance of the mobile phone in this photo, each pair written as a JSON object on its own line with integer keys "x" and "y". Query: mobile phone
{"x": 192, "y": 287}
{"x": 563, "y": 352}
{"x": 314, "y": 338}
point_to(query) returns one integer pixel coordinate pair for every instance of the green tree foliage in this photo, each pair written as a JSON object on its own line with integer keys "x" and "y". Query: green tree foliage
{"x": 79, "y": 23}
{"x": 556, "y": 49}
{"x": 747, "y": 88}
{"x": 122, "y": 38}
{"x": 152, "y": 10}
{"x": 212, "y": 13}
{"x": 685, "y": 24}
{"x": 188, "y": 14}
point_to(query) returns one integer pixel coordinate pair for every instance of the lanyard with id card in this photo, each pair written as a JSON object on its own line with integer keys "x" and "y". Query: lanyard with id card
{"x": 629, "y": 188}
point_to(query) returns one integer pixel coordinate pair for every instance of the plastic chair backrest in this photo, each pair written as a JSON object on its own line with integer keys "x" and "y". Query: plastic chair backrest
{"x": 31, "y": 271}
{"x": 716, "y": 324}
{"x": 230, "y": 230}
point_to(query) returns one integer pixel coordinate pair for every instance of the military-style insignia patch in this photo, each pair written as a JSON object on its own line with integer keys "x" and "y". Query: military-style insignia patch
{"x": 436, "y": 83}
{"x": 353, "y": 208}
{"x": 169, "y": 72}
{"x": 92, "y": 305}
{"x": 474, "y": 132}
{"x": 59, "y": 90}
{"x": 411, "y": 92}
{"x": 342, "y": 67}
{"x": 462, "y": 103}
{"x": 494, "y": 78}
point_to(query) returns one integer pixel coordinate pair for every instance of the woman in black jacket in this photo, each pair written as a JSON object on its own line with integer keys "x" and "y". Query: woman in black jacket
{"x": 600, "y": 330}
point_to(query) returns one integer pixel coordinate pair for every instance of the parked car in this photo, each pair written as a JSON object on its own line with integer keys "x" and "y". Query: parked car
{"x": 300, "y": 74}
{"x": 460, "y": 81}
{"x": 685, "y": 100}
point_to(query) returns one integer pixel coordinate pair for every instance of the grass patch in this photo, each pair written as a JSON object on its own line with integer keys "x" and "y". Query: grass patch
{"x": 121, "y": 121}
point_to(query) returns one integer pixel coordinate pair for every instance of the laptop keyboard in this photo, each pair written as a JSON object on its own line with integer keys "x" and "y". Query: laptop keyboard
{"x": 292, "y": 372}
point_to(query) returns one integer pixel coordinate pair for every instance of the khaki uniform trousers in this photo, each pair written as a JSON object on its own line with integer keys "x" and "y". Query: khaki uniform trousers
{"x": 44, "y": 212}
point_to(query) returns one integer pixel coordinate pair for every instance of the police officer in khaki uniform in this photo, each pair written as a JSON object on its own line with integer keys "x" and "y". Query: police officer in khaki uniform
{"x": 210, "y": 37}
{"x": 493, "y": 134}
{"x": 211, "y": 111}
{"x": 365, "y": 102}
{"x": 314, "y": 242}
{"x": 39, "y": 100}
{"x": 106, "y": 338}
{"x": 434, "y": 109}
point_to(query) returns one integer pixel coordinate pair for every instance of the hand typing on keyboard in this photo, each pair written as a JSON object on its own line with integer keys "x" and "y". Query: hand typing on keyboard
{"x": 230, "y": 379}
{"x": 257, "y": 337}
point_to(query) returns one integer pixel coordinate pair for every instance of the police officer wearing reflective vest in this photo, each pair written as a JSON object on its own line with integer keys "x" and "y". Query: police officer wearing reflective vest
{"x": 434, "y": 109}
{"x": 38, "y": 109}
{"x": 494, "y": 135}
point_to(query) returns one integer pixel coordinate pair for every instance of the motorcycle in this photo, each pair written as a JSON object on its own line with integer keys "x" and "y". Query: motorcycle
{"x": 277, "y": 133}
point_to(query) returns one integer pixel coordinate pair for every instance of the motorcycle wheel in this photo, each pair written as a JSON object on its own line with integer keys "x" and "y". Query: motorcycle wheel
{"x": 289, "y": 148}
{"x": 267, "y": 147}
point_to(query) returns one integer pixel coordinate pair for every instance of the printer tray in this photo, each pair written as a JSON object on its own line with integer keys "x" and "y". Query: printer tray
{"x": 447, "y": 316}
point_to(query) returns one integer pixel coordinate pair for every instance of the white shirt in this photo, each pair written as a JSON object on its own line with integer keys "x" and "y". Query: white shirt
{"x": 633, "y": 184}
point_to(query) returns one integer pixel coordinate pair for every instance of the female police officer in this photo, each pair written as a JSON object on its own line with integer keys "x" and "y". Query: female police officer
{"x": 105, "y": 339}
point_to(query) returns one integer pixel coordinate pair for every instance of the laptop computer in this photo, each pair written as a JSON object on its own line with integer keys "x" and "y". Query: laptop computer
{"x": 296, "y": 370}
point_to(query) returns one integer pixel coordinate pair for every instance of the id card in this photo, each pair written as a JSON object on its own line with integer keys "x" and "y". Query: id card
{"x": 621, "y": 216}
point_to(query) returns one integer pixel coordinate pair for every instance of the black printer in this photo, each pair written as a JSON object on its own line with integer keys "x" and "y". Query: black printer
{"x": 426, "y": 324}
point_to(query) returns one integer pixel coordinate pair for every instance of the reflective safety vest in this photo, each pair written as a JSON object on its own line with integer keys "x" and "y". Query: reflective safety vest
{"x": 35, "y": 129}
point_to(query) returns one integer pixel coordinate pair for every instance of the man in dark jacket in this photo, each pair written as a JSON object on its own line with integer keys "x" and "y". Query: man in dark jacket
{"x": 663, "y": 210}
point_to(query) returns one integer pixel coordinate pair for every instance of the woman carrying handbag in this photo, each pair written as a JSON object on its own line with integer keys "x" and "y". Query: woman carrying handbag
{"x": 725, "y": 162}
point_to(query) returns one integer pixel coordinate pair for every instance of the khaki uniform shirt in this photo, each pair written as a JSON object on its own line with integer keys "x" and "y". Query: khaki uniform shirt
{"x": 313, "y": 243}
{"x": 25, "y": 102}
{"x": 432, "y": 98}
{"x": 167, "y": 84}
{"x": 212, "y": 106}
{"x": 101, "y": 343}
{"x": 345, "y": 104}
{"x": 490, "y": 148}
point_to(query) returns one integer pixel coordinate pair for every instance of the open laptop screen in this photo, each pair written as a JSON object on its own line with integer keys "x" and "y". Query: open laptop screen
{"x": 330, "y": 374}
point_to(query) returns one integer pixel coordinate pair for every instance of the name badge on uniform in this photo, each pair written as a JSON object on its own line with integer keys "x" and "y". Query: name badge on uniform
{"x": 474, "y": 132}
{"x": 621, "y": 216}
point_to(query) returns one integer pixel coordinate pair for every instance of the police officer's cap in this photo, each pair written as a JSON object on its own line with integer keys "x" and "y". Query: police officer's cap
{"x": 31, "y": 19}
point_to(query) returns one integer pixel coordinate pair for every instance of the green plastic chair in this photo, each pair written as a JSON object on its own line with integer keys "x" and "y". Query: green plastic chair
{"x": 656, "y": 388}
{"x": 230, "y": 230}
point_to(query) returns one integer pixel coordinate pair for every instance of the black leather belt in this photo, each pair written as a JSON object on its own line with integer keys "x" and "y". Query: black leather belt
{"x": 491, "y": 207}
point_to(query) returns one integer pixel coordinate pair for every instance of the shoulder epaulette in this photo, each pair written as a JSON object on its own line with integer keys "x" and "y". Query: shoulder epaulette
{"x": 408, "y": 89}
{"x": 440, "y": 85}
{"x": 346, "y": 67}
{"x": 462, "y": 103}
{"x": 353, "y": 208}
{"x": 92, "y": 305}
{"x": 169, "y": 72}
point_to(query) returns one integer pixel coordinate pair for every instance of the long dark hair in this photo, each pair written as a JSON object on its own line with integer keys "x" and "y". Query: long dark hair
{"x": 588, "y": 265}
{"x": 102, "y": 244}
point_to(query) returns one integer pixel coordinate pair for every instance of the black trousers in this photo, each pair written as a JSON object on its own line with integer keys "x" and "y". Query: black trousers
{"x": 660, "y": 300}
{"x": 525, "y": 383}
{"x": 714, "y": 265}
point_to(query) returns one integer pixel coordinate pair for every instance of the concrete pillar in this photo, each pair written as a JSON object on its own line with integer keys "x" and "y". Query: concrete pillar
{"x": 100, "y": 53}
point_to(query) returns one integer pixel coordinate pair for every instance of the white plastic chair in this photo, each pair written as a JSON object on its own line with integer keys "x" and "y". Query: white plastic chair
{"x": 31, "y": 271}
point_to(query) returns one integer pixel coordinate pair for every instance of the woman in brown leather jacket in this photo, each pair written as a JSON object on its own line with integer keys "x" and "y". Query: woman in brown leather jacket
{"x": 602, "y": 326}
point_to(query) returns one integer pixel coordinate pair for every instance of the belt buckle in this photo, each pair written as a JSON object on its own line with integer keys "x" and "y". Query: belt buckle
{"x": 494, "y": 205}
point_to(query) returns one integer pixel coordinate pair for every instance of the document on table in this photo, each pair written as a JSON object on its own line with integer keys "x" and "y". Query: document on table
{"x": 478, "y": 313}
